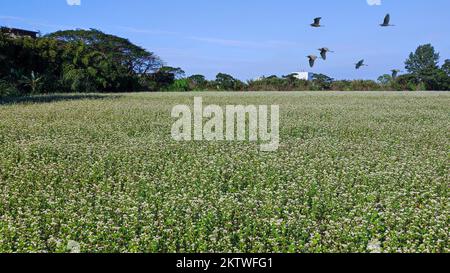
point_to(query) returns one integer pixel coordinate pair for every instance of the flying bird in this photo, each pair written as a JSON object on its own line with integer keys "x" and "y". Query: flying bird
{"x": 360, "y": 64}
{"x": 312, "y": 60}
{"x": 317, "y": 22}
{"x": 324, "y": 51}
{"x": 386, "y": 22}
{"x": 395, "y": 73}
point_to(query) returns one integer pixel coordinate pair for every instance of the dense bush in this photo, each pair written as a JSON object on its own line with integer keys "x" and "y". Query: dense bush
{"x": 7, "y": 89}
{"x": 75, "y": 61}
{"x": 180, "y": 85}
{"x": 423, "y": 66}
{"x": 343, "y": 85}
{"x": 274, "y": 83}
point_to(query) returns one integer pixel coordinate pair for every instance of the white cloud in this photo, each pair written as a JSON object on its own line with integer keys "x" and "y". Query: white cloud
{"x": 374, "y": 2}
{"x": 74, "y": 2}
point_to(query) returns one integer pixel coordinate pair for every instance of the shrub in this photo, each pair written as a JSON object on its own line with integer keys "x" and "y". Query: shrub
{"x": 180, "y": 85}
{"x": 7, "y": 89}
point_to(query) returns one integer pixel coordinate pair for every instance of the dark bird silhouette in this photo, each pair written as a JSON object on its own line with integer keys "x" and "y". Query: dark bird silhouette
{"x": 395, "y": 73}
{"x": 360, "y": 64}
{"x": 317, "y": 22}
{"x": 312, "y": 60}
{"x": 324, "y": 51}
{"x": 386, "y": 22}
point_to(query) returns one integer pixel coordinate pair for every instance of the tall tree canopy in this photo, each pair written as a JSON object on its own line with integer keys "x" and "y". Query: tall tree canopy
{"x": 423, "y": 62}
{"x": 227, "y": 82}
{"x": 135, "y": 58}
{"x": 76, "y": 61}
{"x": 446, "y": 67}
{"x": 423, "y": 65}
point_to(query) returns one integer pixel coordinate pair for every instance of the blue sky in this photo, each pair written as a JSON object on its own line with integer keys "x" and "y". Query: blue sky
{"x": 251, "y": 38}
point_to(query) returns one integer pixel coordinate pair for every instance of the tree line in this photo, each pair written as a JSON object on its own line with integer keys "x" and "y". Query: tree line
{"x": 92, "y": 61}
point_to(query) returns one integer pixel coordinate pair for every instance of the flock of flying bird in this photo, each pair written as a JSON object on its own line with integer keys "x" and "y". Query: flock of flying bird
{"x": 324, "y": 50}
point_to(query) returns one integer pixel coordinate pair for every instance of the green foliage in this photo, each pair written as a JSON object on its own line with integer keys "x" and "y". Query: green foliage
{"x": 132, "y": 58}
{"x": 33, "y": 82}
{"x": 385, "y": 79}
{"x": 176, "y": 71}
{"x": 274, "y": 83}
{"x": 423, "y": 62}
{"x": 446, "y": 67}
{"x": 197, "y": 82}
{"x": 92, "y": 61}
{"x": 365, "y": 85}
{"x": 75, "y": 61}
{"x": 440, "y": 80}
{"x": 166, "y": 79}
{"x": 180, "y": 85}
{"x": 7, "y": 89}
{"x": 78, "y": 80}
{"x": 322, "y": 82}
{"x": 227, "y": 83}
{"x": 423, "y": 65}
{"x": 408, "y": 82}
{"x": 342, "y": 85}
{"x": 162, "y": 80}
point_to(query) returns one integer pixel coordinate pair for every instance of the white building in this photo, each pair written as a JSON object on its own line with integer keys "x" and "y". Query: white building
{"x": 303, "y": 75}
{"x": 307, "y": 76}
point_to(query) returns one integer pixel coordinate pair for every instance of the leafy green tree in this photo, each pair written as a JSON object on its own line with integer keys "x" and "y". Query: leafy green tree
{"x": 444, "y": 76}
{"x": 162, "y": 80}
{"x": 18, "y": 58}
{"x": 271, "y": 83}
{"x": 423, "y": 65}
{"x": 180, "y": 85}
{"x": 385, "y": 79}
{"x": 289, "y": 77}
{"x": 7, "y": 89}
{"x": 407, "y": 82}
{"x": 78, "y": 80}
{"x": 136, "y": 59}
{"x": 343, "y": 85}
{"x": 446, "y": 67}
{"x": 322, "y": 82}
{"x": 76, "y": 61}
{"x": 423, "y": 61}
{"x": 176, "y": 71}
{"x": 87, "y": 70}
{"x": 197, "y": 82}
{"x": 226, "y": 82}
{"x": 364, "y": 85}
{"x": 440, "y": 81}
{"x": 34, "y": 82}
{"x": 108, "y": 62}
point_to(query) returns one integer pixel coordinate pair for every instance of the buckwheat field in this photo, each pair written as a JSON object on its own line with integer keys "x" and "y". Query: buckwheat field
{"x": 355, "y": 172}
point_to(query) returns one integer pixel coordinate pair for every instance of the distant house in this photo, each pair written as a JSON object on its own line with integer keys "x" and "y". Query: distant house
{"x": 15, "y": 32}
{"x": 303, "y": 75}
{"x": 307, "y": 76}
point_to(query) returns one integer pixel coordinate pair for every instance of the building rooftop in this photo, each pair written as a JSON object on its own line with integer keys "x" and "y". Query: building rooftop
{"x": 16, "y": 32}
